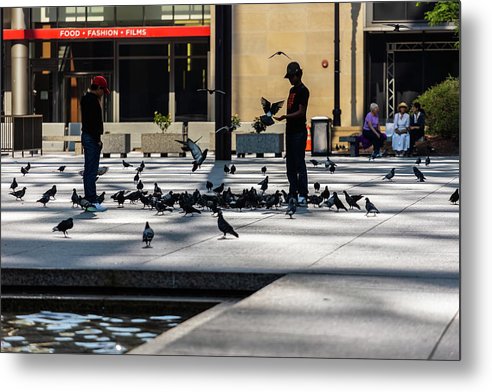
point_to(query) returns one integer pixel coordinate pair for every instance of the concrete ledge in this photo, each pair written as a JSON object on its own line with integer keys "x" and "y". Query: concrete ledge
{"x": 183, "y": 280}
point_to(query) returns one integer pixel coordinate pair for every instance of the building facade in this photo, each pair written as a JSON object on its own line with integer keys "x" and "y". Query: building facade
{"x": 156, "y": 57}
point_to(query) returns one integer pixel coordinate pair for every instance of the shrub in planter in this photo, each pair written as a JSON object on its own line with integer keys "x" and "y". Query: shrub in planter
{"x": 442, "y": 108}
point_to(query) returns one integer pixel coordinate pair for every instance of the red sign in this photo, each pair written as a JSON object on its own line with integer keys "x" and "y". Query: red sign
{"x": 108, "y": 32}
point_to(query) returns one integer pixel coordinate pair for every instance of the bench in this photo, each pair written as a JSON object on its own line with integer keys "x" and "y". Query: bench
{"x": 75, "y": 139}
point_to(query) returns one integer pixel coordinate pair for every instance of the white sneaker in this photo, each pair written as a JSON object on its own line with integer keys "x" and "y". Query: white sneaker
{"x": 99, "y": 207}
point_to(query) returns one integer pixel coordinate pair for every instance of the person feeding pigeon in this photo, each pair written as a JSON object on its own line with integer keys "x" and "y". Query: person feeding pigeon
{"x": 92, "y": 129}
{"x": 296, "y": 133}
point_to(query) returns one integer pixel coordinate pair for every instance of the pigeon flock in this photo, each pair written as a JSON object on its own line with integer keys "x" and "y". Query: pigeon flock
{"x": 216, "y": 198}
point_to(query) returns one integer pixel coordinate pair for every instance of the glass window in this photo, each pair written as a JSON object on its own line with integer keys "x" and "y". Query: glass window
{"x": 415, "y": 12}
{"x": 190, "y": 75}
{"x": 91, "y": 49}
{"x": 100, "y": 16}
{"x": 158, "y": 49}
{"x": 191, "y": 49}
{"x": 158, "y": 14}
{"x": 182, "y": 12}
{"x": 71, "y": 15}
{"x": 129, "y": 15}
{"x": 44, "y": 15}
{"x": 394, "y": 10}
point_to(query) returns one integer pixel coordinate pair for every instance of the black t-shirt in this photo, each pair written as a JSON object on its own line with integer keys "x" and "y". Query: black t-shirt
{"x": 298, "y": 95}
{"x": 92, "y": 122}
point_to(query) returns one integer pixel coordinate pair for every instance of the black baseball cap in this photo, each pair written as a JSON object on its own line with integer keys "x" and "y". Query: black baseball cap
{"x": 293, "y": 69}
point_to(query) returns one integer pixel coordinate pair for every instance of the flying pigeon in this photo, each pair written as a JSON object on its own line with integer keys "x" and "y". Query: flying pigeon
{"x": 371, "y": 208}
{"x": 397, "y": 26}
{"x": 455, "y": 197}
{"x": 292, "y": 208}
{"x": 61, "y": 168}
{"x": 196, "y": 152}
{"x": 420, "y": 176}
{"x": 390, "y": 175}
{"x": 148, "y": 235}
{"x": 225, "y": 227}
{"x": 270, "y": 110}
{"x": 44, "y": 199}
{"x": 279, "y": 53}
{"x": 211, "y": 91}
{"x": 427, "y": 161}
{"x": 64, "y": 225}
{"x": 14, "y": 184}
{"x": 126, "y": 164}
{"x": 19, "y": 194}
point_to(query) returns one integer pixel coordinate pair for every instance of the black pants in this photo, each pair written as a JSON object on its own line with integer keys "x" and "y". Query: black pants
{"x": 92, "y": 153}
{"x": 415, "y": 134}
{"x": 295, "y": 149}
{"x": 376, "y": 141}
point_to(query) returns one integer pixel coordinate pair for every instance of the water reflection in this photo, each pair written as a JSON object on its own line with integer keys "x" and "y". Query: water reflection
{"x": 62, "y": 332}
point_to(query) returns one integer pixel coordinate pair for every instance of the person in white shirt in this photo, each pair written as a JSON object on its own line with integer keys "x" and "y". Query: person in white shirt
{"x": 400, "y": 141}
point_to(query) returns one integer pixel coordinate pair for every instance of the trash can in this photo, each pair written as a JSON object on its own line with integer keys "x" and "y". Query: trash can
{"x": 320, "y": 136}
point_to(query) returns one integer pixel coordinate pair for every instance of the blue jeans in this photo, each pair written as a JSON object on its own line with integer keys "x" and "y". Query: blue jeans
{"x": 92, "y": 153}
{"x": 295, "y": 149}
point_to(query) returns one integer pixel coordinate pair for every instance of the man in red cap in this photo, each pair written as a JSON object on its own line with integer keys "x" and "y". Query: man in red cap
{"x": 92, "y": 129}
{"x": 296, "y": 134}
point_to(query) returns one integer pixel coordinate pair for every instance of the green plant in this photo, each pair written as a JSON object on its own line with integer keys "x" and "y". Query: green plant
{"x": 444, "y": 12}
{"x": 163, "y": 122}
{"x": 235, "y": 122}
{"x": 258, "y": 125}
{"x": 441, "y": 104}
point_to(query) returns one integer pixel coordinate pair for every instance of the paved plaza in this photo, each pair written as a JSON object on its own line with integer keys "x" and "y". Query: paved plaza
{"x": 329, "y": 284}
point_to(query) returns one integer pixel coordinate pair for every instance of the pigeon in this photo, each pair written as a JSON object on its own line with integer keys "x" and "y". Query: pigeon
{"x": 455, "y": 197}
{"x": 126, "y": 164}
{"x": 233, "y": 169}
{"x": 390, "y": 175}
{"x": 120, "y": 198}
{"x": 209, "y": 186}
{"x": 225, "y": 227}
{"x": 314, "y": 162}
{"x": 317, "y": 187}
{"x": 332, "y": 168}
{"x": 326, "y": 193}
{"x": 61, "y": 168}
{"x": 211, "y": 91}
{"x": 84, "y": 203}
{"x": 279, "y": 53}
{"x": 226, "y": 169}
{"x": 148, "y": 235}
{"x": 100, "y": 171}
{"x": 270, "y": 110}
{"x": 338, "y": 203}
{"x": 315, "y": 200}
{"x": 264, "y": 170}
{"x": 19, "y": 194}
{"x": 397, "y": 26}
{"x": 189, "y": 209}
{"x": 139, "y": 170}
{"x": 140, "y": 185}
{"x": 162, "y": 207}
{"x": 331, "y": 201}
{"x": 136, "y": 178}
{"x": 142, "y": 165}
{"x": 420, "y": 176}
{"x": 371, "y": 208}
{"x": 264, "y": 184}
{"x": 157, "y": 190}
{"x": 292, "y": 207}
{"x": 44, "y": 199}
{"x": 100, "y": 198}
{"x": 418, "y": 161}
{"x": 14, "y": 184}
{"x": 228, "y": 128}
{"x": 329, "y": 162}
{"x": 219, "y": 189}
{"x": 75, "y": 198}
{"x": 24, "y": 171}
{"x": 352, "y": 200}
{"x": 64, "y": 225}
{"x": 196, "y": 152}
{"x": 51, "y": 192}
{"x": 427, "y": 161}
{"x": 28, "y": 166}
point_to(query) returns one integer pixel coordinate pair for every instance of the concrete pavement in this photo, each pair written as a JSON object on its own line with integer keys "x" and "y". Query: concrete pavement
{"x": 416, "y": 235}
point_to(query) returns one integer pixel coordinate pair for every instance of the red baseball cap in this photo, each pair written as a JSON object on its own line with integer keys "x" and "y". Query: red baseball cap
{"x": 101, "y": 82}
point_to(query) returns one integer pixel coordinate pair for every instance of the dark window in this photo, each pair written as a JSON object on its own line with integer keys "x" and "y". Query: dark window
{"x": 90, "y": 48}
{"x": 401, "y": 10}
{"x": 130, "y": 15}
{"x": 158, "y": 49}
{"x": 190, "y": 75}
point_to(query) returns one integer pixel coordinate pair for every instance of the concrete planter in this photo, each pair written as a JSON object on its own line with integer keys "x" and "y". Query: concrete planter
{"x": 259, "y": 144}
{"x": 115, "y": 143}
{"x": 161, "y": 143}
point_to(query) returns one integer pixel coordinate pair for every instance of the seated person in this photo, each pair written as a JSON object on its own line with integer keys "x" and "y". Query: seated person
{"x": 417, "y": 125}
